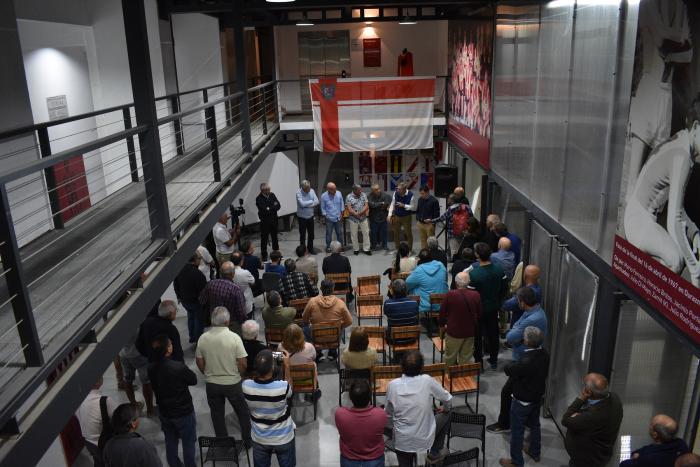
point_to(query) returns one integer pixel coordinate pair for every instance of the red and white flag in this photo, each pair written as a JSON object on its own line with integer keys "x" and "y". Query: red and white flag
{"x": 372, "y": 114}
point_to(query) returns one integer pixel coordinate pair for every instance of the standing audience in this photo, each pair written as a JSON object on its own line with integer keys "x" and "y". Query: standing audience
{"x": 252, "y": 264}
{"x": 358, "y": 208}
{"x": 306, "y": 202}
{"x": 378, "y": 210}
{"x": 160, "y": 323}
{"x": 188, "y": 285}
{"x": 267, "y": 205}
{"x": 134, "y": 362}
{"x": 436, "y": 252}
{"x": 94, "y": 417}
{"x": 504, "y": 257}
{"x": 245, "y": 280}
{"x": 403, "y": 203}
{"x": 225, "y": 238}
{"x": 332, "y": 207}
{"x": 225, "y": 293}
{"x": 531, "y": 277}
{"x": 126, "y": 448}
{"x": 427, "y": 209}
{"x": 501, "y": 231}
{"x": 459, "y": 318}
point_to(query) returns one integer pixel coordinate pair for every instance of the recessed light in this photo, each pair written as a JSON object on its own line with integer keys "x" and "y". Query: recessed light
{"x": 407, "y": 20}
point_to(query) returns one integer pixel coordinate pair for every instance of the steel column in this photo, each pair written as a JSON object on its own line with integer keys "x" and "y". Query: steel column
{"x": 145, "y": 109}
{"x": 607, "y": 318}
{"x": 45, "y": 149}
{"x": 130, "y": 147}
{"x": 264, "y": 112}
{"x": 210, "y": 125}
{"x": 241, "y": 80}
{"x": 177, "y": 124}
{"x": 17, "y": 286}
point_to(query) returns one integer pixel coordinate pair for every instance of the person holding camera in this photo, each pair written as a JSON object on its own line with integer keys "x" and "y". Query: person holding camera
{"x": 225, "y": 238}
{"x": 268, "y": 398}
{"x": 268, "y": 205}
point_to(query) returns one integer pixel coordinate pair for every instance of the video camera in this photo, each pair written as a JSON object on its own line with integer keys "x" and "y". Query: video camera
{"x": 236, "y": 213}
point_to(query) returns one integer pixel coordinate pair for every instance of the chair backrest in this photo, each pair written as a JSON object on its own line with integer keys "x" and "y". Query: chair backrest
{"x": 385, "y": 372}
{"x": 217, "y": 442}
{"x": 405, "y": 335}
{"x": 376, "y": 332}
{"x": 303, "y": 377}
{"x": 326, "y": 335}
{"x": 353, "y": 374}
{"x": 476, "y": 420}
{"x": 368, "y": 285}
{"x": 313, "y": 277}
{"x": 270, "y": 281}
{"x": 461, "y": 458}
{"x": 456, "y": 372}
{"x": 273, "y": 336}
{"x": 436, "y": 298}
{"x": 436, "y": 371}
{"x": 299, "y": 304}
{"x": 416, "y": 298}
{"x": 341, "y": 280}
{"x": 369, "y": 305}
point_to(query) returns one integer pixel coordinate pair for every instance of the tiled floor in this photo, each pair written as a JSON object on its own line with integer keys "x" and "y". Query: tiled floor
{"x": 317, "y": 441}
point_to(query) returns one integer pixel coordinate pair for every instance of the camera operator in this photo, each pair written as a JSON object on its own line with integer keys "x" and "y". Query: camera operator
{"x": 268, "y": 205}
{"x": 225, "y": 238}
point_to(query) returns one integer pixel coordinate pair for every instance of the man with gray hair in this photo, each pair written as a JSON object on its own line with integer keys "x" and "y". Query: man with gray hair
{"x": 358, "y": 207}
{"x": 527, "y": 378}
{"x": 459, "y": 316}
{"x": 158, "y": 324}
{"x": 306, "y": 202}
{"x": 337, "y": 263}
{"x": 221, "y": 357}
{"x": 295, "y": 284}
{"x": 664, "y": 450}
{"x": 592, "y": 421}
{"x": 267, "y": 205}
{"x": 224, "y": 292}
{"x": 249, "y": 331}
{"x": 332, "y": 210}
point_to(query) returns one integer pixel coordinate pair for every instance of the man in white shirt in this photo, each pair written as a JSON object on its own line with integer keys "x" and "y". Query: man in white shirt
{"x": 91, "y": 419}
{"x": 245, "y": 280}
{"x": 207, "y": 262}
{"x": 225, "y": 238}
{"x": 409, "y": 407}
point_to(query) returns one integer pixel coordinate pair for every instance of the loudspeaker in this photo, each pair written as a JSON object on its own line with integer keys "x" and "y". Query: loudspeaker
{"x": 445, "y": 180}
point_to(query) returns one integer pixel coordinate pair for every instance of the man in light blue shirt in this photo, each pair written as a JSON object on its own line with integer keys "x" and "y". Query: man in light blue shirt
{"x": 306, "y": 201}
{"x": 332, "y": 206}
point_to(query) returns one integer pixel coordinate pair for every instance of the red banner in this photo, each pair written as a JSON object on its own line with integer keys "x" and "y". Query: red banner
{"x": 670, "y": 294}
{"x": 470, "y": 142}
{"x": 73, "y": 193}
{"x": 372, "y": 52}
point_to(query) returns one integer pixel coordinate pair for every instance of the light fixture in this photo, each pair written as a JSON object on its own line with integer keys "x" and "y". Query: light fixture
{"x": 407, "y": 20}
{"x": 368, "y": 23}
{"x": 304, "y": 21}
{"x": 279, "y": 1}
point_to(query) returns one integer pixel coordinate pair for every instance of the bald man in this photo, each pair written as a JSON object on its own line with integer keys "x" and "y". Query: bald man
{"x": 332, "y": 206}
{"x": 531, "y": 278}
{"x": 664, "y": 450}
{"x": 460, "y": 197}
{"x": 592, "y": 421}
{"x": 504, "y": 257}
{"x": 688, "y": 460}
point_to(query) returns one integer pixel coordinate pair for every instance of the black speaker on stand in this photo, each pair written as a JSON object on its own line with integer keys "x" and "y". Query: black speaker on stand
{"x": 446, "y": 180}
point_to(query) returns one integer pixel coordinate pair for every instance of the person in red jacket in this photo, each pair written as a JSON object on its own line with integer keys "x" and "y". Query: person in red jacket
{"x": 458, "y": 318}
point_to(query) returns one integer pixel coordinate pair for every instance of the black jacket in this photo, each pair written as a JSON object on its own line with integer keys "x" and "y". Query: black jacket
{"x": 189, "y": 284}
{"x": 428, "y": 208}
{"x": 151, "y": 328}
{"x": 267, "y": 207}
{"x": 130, "y": 450}
{"x": 658, "y": 455}
{"x": 592, "y": 431}
{"x": 170, "y": 380}
{"x": 335, "y": 264}
{"x": 528, "y": 375}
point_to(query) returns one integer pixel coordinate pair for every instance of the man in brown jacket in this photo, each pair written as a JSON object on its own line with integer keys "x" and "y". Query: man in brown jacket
{"x": 325, "y": 308}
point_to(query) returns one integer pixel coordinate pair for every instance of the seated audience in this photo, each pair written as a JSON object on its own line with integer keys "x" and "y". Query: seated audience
{"x": 297, "y": 348}
{"x": 415, "y": 426}
{"x": 126, "y": 448}
{"x": 245, "y": 280}
{"x": 252, "y": 264}
{"x": 249, "y": 334}
{"x": 688, "y": 460}
{"x": 504, "y": 257}
{"x": 275, "y": 264}
{"x": 361, "y": 429}
{"x": 171, "y": 381}
{"x": 326, "y": 308}
{"x": 501, "y": 230}
{"x": 664, "y": 450}
{"x": 94, "y": 418}
{"x": 295, "y": 284}
{"x": 358, "y": 355}
{"x": 437, "y": 253}
{"x": 459, "y": 317}
{"x": 274, "y": 314}
{"x": 306, "y": 263}
{"x": 465, "y": 262}
{"x": 428, "y": 278}
{"x": 403, "y": 261}
{"x": 399, "y": 310}
{"x": 226, "y": 293}
{"x": 337, "y": 263}
{"x": 160, "y": 323}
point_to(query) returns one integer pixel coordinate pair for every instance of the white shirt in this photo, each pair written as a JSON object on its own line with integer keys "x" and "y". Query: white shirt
{"x": 206, "y": 260}
{"x": 90, "y": 417}
{"x": 245, "y": 280}
{"x": 221, "y": 236}
{"x": 409, "y": 403}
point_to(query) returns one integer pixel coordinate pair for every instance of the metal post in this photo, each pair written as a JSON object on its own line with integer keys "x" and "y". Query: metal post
{"x": 607, "y": 317}
{"x": 45, "y": 149}
{"x": 17, "y": 286}
{"x": 145, "y": 109}
{"x": 210, "y": 125}
{"x": 130, "y": 147}
{"x": 177, "y": 124}
{"x": 237, "y": 16}
{"x": 227, "y": 106}
{"x": 264, "y": 111}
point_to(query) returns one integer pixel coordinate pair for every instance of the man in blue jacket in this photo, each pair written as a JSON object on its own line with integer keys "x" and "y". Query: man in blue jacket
{"x": 429, "y": 277}
{"x": 665, "y": 449}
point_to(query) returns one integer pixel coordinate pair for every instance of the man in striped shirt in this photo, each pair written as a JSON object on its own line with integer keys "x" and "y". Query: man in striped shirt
{"x": 270, "y": 411}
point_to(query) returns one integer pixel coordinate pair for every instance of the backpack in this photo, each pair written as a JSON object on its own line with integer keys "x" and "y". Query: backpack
{"x": 107, "y": 431}
{"x": 459, "y": 220}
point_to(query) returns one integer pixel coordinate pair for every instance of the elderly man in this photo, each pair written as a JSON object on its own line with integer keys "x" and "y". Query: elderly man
{"x": 428, "y": 208}
{"x": 531, "y": 277}
{"x": 324, "y": 308}
{"x": 459, "y": 318}
{"x": 332, "y": 209}
{"x": 337, "y": 263}
{"x": 429, "y": 277}
{"x": 307, "y": 263}
{"x": 501, "y": 231}
{"x": 358, "y": 207}
{"x": 436, "y": 252}
{"x": 127, "y": 448}
{"x": 528, "y": 376}
{"x": 188, "y": 284}
{"x": 688, "y": 460}
{"x": 295, "y": 284}
{"x": 490, "y": 237}
{"x": 225, "y": 238}
{"x": 157, "y": 324}
{"x": 664, "y": 450}
{"x": 94, "y": 414}
{"x": 409, "y": 406}
{"x": 459, "y": 195}
{"x": 592, "y": 421}
{"x": 222, "y": 359}
{"x": 274, "y": 314}
{"x": 399, "y": 309}
{"x": 245, "y": 280}
{"x": 224, "y": 292}
{"x": 378, "y": 210}
{"x": 306, "y": 201}
{"x": 504, "y": 257}
{"x": 268, "y": 205}
{"x": 403, "y": 204}
{"x": 249, "y": 334}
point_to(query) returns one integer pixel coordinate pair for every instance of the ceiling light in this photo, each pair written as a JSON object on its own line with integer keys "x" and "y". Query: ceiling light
{"x": 407, "y": 20}
{"x": 279, "y": 1}
{"x": 304, "y": 21}
{"x": 368, "y": 23}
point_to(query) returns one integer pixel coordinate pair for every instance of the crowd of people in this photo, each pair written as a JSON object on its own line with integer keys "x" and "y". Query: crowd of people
{"x": 487, "y": 292}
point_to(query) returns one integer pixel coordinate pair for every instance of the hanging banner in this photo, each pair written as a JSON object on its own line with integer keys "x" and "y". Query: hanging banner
{"x": 657, "y": 242}
{"x": 372, "y": 114}
{"x": 372, "y": 52}
{"x": 470, "y": 45}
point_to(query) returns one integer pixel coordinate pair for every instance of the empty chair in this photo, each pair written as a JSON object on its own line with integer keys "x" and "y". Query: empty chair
{"x": 223, "y": 449}
{"x": 470, "y": 426}
{"x": 381, "y": 377}
{"x": 270, "y": 281}
{"x": 377, "y": 340}
{"x": 464, "y": 379}
{"x": 299, "y": 305}
{"x": 437, "y": 371}
{"x": 368, "y": 285}
{"x": 462, "y": 458}
{"x": 369, "y": 307}
{"x": 403, "y": 338}
{"x": 435, "y": 299}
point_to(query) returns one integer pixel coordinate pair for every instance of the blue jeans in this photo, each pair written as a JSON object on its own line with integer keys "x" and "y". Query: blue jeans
{"x": 378, "y": 462}
{"x": 195, "y": 327}
{"x": 378, "y": 233}
{"x": 286, "y": 454}
{"x": 521, "y": 415}
{"x": 176, "y": 429}
{"x": 330, "y": 227}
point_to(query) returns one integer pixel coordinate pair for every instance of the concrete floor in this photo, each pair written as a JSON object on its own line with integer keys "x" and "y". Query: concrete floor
{"x": 317, "y": 441}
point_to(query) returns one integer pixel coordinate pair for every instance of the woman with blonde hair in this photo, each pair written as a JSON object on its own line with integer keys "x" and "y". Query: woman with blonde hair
{"x": 299, "y": 350}
{"x": 358, "y": 355}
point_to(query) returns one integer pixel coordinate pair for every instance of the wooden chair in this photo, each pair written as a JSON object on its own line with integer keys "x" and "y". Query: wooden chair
{"x": 416, "y": 298}
{"x": 342, "y": 281}
{"x": 399, "y": 275}
{"x": 381, "y": 377}
{"x": 347, "y": 375}
{"x": 408, "y": 338}
{"x": 369, "y": 307}
{"x": 435, "y": 299}
{"x": 377, "y": 340}
{"x": 439, "y": 344}
{"x": 368, "y": 285}
{"x": 470, "y": 426}
{"x": 436, "y": 371}
{"x": 222, "y": 449}
{"x": 305, "y": 381}
{"x": 273, "y": 337}
{"x": 299, "y": 304}
{"x": 313, "y": 277}
{"x": 326, "y": 336}
{"x": 465, "y": 379}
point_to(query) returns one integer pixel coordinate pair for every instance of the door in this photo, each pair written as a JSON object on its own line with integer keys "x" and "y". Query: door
{"x": 321, "y": 54}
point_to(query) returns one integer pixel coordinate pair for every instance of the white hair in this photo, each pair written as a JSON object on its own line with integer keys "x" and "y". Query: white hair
{"x": 166, "y": 307}
{"x": 305, "y": 183}
{"x": 263, "y": 186}
{"x": 533, "y": 336}
{"x": 220, "y": 316}
{"x": 432, "y": 242}
{"x": 462, "y": 280}
{"x": 336, "y": 246}
{"x": 250, "y": 329}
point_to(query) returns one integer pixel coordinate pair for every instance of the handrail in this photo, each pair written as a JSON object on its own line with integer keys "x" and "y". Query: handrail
{"x": 260, "y": 86}
{"x": 191, "y": 91}
{"x": 199, "y": 108}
